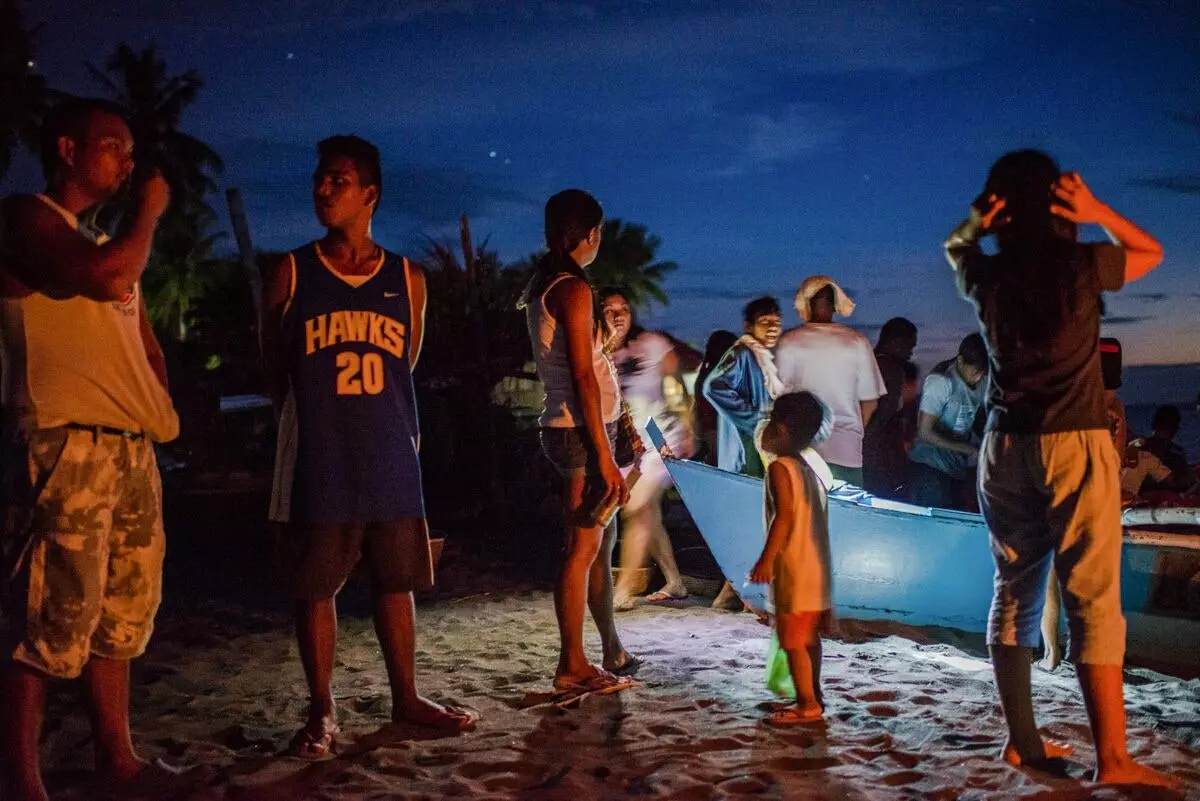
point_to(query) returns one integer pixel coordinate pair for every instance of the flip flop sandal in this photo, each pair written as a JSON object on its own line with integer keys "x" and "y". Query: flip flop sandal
{"x": 313, "y": 745}
{"x": 662, "y": 595}
{"x": 601, "y": 680}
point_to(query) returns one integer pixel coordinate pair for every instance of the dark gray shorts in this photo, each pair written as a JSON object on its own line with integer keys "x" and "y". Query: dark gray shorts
{"x": 317, "y": 559}
{"x": 570, "y": 449}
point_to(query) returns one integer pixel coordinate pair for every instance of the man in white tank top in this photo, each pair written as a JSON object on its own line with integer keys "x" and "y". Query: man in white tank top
{"x": 84, "y": 400}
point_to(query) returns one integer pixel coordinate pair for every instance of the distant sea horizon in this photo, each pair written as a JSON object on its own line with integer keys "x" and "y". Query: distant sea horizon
{"x": 1143, "y": 384}
{"x": 1145, "y": 387}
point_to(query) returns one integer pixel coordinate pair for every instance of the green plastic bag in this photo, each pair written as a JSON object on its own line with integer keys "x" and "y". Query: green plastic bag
{"x": 779, "y": 674}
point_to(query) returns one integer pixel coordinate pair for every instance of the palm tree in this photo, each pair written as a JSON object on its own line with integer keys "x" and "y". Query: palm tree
{"x": 154, "y": 101}
{"x": 22, "y": 90}
{"x": 626, "y": 261}
{"x": 472, "y": 306}
{"x": 183, "y": 269}
{"x": 183, "y": 265}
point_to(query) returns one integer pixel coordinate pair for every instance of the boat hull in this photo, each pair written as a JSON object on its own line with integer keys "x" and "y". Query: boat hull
{"x": 934, "y": 567}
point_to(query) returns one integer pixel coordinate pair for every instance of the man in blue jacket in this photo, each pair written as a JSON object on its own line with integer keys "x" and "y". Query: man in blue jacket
{"x": 743, "y": 386}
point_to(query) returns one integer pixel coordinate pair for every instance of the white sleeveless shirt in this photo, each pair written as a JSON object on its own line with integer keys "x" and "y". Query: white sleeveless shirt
{"x": 76, "y": 360}
{"x": 550, "y": 354}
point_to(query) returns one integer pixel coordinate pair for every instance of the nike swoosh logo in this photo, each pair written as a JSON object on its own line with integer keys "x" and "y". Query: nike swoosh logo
{"x": 391, "y": 294}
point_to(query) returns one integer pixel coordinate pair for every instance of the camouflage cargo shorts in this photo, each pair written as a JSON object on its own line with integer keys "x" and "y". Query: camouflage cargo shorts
{"x": 83, "y": 547}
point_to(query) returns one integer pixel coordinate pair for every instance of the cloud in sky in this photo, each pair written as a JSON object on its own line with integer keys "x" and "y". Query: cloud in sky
{"x": 796, "y": 131}
{"x": 1184, "y": 183}
{"x": 1126, "y": 319}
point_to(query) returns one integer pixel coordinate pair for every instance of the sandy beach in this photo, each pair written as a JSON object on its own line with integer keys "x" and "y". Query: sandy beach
{"x": 911, "y": 712}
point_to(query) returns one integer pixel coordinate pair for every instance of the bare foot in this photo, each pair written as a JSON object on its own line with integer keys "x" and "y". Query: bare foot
{"x": 623, "y": 602}
{"x": 429, "y": 714}
{"x": 1052, "y": 749}
{"x": 1051, "y": 660}
{"x": 727, "y": 599}
{"x": 625, "y": 665}
{"x": 1126, "y": 771}
{"x": 794, "y": 715}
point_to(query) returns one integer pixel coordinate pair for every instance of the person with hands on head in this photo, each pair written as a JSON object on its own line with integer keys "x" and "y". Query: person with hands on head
{"x": 85, "y": 400}
{"x": 579, "y": 426}
{"x": 1049, "y": 473}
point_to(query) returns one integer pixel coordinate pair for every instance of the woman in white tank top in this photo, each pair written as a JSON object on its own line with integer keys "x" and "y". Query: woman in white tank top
{"x": 577, "y": 427}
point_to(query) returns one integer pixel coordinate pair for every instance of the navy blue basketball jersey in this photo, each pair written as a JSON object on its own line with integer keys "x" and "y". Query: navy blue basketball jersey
{"x": 347, "y": 353}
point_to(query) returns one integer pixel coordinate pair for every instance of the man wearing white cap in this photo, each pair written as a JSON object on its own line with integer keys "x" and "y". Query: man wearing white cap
{"x": 835, "y": 363}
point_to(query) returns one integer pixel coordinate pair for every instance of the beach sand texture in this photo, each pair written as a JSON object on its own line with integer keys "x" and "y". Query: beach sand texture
{"x": 908, "y": 716}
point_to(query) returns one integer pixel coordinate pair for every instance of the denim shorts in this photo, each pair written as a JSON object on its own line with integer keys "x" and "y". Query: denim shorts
{"x": 570, "y": 450}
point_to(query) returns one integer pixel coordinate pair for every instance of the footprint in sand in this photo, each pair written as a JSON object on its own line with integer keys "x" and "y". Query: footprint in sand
{"x": 238, "y": 738}
{"x": 745, "y": 785}
{"x": 798, "y": 739}
{"x": 717, "y": 744}
{"x": 969, "y": 742}
{"x": 437, "y": 759}
{"x": 479, "y": 770}
{"x": 371, "y": 705}
{"x": 176, "y": 748}
{"x": 880, "y": 740}
{"x": 883, "y": 710}
{"x": 903, "y": 777}
{"x": 922, "y": 700}
{"x": 661, "y": 729}
{"x": 906, "y": 759}
{"x": 879, "y": 695}
{"x": 802, "y": 764}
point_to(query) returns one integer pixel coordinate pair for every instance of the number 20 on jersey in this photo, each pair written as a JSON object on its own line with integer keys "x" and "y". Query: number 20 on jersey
{"x": 358, "y": 375}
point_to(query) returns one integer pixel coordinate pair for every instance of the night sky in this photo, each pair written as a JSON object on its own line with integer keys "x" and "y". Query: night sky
{"x": 763, "y": 142}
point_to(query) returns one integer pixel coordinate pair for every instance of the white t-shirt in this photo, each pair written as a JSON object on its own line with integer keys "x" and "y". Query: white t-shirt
{"x": 953, "y": 405}
{"x": 639, "y": 366}
{"x": 1147, "y": 465}
{"x": 837, "y": 364}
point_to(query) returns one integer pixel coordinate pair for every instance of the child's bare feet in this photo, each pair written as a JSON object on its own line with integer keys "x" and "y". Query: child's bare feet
{"x": 794, "y": 715}
{"x": 1051, "y": 749}
{"x": 1126, "y": 771}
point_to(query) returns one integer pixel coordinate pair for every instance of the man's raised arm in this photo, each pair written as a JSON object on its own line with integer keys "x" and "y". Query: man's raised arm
{"x": 1142, "y": 251}
{"x": 47, "y": 256}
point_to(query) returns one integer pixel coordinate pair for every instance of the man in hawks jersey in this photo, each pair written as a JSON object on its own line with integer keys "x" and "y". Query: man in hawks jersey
{"x": 85, "y": 397}
{"x": 343, "y": 321}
